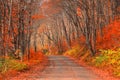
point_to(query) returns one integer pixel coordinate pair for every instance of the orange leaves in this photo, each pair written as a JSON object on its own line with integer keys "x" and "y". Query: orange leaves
{"x": 37, "y": 16}
{"x": 111, "y": 37}
{"x": 15, "y": 30}
{"x": 79, "y": 12}
{"x": 35, "y": 57}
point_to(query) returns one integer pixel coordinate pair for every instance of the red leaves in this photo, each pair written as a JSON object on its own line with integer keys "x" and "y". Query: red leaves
{"x": 35, "y": 57}
{"x": 111, "y": 37}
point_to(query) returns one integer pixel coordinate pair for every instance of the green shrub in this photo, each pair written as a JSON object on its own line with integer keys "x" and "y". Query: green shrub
{"x": 19, "y": 66}
{"x": 11, "y": 64}
{"x": 99, "y": 60}
{"x": 109, "y": 58}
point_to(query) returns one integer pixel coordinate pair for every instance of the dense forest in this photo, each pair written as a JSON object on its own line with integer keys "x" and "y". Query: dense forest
{"x": 55, "y": 26}
{"x": 77, "y": 21}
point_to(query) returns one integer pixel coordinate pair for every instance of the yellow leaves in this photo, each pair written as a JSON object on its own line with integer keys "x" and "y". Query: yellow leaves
{"x": 37, "y": 16}
{"x": 112, "y": 61}
{"x": 77, "y": 52}
{"x": 100, "y": 60}
{"x": 73, "y": 52}
{"x": 109, "y": 58}
{"x": 11, "y": 64}
{"x": 107, "y": 52}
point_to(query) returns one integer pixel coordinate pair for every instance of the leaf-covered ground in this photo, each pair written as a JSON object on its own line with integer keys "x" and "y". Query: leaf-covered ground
{"x": 16, "y": 70}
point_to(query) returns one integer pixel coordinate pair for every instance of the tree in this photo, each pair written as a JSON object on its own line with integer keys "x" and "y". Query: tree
{"x": 16, "y": 25}
{"x": 94, "y": 15}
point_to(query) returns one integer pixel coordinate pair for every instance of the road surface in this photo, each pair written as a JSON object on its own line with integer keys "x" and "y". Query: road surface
{"x": 63, "y": 68}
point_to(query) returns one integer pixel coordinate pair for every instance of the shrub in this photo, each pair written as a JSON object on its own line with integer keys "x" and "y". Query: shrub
{"x": 73, "y": 52}
{"x": 11, "y": 64}
{"x": 109, "y": 58}
{"x": 99, "y": 60}
{"x": 77, "y": 51}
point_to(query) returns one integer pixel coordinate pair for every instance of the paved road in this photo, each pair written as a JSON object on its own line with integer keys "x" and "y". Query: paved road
{"x": 63, "y": 68}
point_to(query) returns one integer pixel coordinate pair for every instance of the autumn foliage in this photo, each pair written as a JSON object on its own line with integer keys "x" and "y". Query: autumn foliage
{"x": 78, "y": 28}
{"x": 111, "y": 36}
{"x": 107, "y": 57}
{"x": 38, "y": 56}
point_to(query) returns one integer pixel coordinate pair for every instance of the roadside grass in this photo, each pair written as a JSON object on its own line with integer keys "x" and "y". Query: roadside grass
{"x": 12, "y": 64}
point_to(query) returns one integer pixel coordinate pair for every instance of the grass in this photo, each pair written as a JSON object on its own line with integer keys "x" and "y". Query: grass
{"x": 12, "y": 64}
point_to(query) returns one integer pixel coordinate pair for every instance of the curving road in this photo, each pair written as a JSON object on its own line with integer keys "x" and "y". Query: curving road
{"x": 63, "y": 68}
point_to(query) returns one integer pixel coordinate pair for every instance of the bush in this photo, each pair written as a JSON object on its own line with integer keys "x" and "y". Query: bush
{"x": 110, "y": 59}
{"x": 99, "y": 60}
{"x": 73, "y": 52}
{"x": 77, "y": 52}
{"x": 18, "y": 66}
{"x": 11, "y": 64}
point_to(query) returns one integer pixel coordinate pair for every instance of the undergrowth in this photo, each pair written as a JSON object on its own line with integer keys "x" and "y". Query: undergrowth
{"x": 12, "y": 64}
{"x": 76, "y": 51}
{"x": 108, "y": 59}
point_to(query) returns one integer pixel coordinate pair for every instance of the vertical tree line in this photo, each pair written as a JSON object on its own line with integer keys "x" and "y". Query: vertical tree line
{"x": 16, "y": 25}
{"x": 71, "y": 20}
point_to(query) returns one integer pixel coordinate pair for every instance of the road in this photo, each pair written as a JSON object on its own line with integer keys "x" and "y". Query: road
{"x": 63, "y": 68}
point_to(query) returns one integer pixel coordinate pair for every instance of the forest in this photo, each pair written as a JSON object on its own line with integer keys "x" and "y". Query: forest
{"x": 86, "y": 30}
